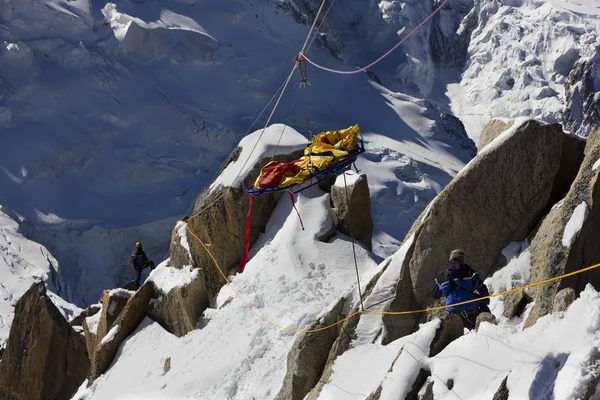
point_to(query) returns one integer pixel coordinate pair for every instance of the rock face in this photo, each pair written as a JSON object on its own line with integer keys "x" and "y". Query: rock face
{"x": 502, "y": 392}
{"x": 45, "y": 357}
{"x": 88, "y": 312}
{"x": 354, "y": 207}
{"x": 582, "y": 89}
{"x": 556, "y": 250}
{"x": 449, "y": 41}
{"x": 127, "y": 321}
{"x": 491, "y": 131}
{"x": 219, "y": 220}
{"x": 90, "y": 327}
{"x": 515, "y": 303}
{"x": 179, "y": 310}
{"x": 456, "y": 130}
{"x": 485, "y": 317}
{"x": 306, "y": 361}
{"x": 488, "y": 205}
{"x": 113, "y": 302}
{"x": 563, "y": 300}
{"x": 451, "y": 328}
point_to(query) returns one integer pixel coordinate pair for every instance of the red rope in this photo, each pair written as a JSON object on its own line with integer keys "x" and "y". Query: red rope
{"x": 294, "y": 205}
{"x": 244, "y": 259}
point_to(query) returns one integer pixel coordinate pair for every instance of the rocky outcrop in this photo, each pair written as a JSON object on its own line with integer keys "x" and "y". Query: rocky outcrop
{"x": 127, "y": 321}
{"x": 491, "y": 131}
{"x": 485, "y": 317}
{"x": 353, "y": 207}
{"x": 563, "y": 300}
{"x": 45, "y": 358}
{"x": 488, "y": 205}
{"x": 451, "y": 328}
{"x": 456, "y": 130}
{"x": 179, "y": 310}
{"x": 88, "y": 312}
{"x": 219, "y": 220}
{"x": 306, "y": 361}
{"x": 582, "y": 89}
{"x": 502, "y": 392}
{"x": 90, "y": 329}
{"x": 562, "y": 245}
{"x": 449, "y": 41}
{"x": 515, "y": 303}
{"x": 346, "y": 333}
{"x": 113, "y": 302}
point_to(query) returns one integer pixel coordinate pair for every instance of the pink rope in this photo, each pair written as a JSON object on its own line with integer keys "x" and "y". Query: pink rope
{"x": 437, "y": 10}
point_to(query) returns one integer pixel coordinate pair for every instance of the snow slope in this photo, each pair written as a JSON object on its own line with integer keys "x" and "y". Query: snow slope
{"x": 519, "y": 58}
{"x": 22, "y": 262}
{"x": 554, "y": 359}
{"x": 290, "y": 279}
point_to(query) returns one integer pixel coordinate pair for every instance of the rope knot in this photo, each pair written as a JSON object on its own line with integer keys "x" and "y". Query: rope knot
{"x": 300, "y": 61}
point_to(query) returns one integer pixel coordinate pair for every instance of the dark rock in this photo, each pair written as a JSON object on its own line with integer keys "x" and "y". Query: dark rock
{"x": 417, "y": 386}
{"x": 167, "y": 366}
{"x": 428, "y": 395}
{"x": 456, "y": 130}
{"x": 88, "y": 312}
{"x": 354, "y": 208}
{"x": 502, "y": 392}
{"x": 45, "y": 358}
{"x": 582, "y": 88}
{"x": 449, "y": 44}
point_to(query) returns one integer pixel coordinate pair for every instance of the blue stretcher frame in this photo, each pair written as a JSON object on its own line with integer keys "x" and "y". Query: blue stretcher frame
{"x": 316, "y": 178}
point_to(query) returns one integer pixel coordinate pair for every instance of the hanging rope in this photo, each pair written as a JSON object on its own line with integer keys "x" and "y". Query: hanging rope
{"x": 353, "y": 244}
{"x": 336, "y": 71}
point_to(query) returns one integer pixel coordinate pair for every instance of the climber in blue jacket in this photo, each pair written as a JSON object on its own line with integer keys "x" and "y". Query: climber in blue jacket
{"x": 461, "y": 283}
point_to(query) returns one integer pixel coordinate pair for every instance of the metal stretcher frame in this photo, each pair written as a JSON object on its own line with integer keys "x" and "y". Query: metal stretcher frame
{"x": 316, "y": 178}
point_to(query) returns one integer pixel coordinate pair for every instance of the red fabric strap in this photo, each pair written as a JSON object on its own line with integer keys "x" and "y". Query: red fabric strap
{"x": 294, "y": 205}
{"x": 244, "y": 259}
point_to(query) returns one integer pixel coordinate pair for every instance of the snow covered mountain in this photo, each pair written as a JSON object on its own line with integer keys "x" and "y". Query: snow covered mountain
{"x": 114, "y": 116}
{"x": 131, "y": 107}
{"x": 22, "y": 262}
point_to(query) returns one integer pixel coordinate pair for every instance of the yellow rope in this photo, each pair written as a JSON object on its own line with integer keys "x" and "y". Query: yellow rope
{"x": 372, "y": 310}
{"x": 285, "y": 328}
{"x": 580, "y": 271}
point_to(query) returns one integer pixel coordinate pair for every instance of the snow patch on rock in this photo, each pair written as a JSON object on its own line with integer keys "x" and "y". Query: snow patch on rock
{"x": 575, "y": 224}
{"x": 257, "y": 146}
{"x": 110, "y": 336}
{"x": 167, "y": 278}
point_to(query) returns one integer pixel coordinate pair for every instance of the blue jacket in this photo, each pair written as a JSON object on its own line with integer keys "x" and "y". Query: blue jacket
{"x": 457, "y": 284}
